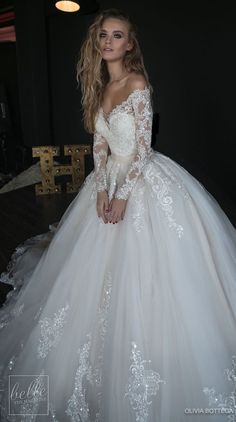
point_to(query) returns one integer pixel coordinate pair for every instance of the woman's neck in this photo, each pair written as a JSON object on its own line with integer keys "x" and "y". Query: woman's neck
{"x": 116, "y": 72}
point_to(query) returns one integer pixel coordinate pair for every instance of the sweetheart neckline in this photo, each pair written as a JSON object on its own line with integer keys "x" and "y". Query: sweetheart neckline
{"x": 107, "y": 115}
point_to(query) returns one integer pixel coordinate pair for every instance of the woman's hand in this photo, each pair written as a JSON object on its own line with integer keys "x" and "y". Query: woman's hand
{"x": 117, "y": 210}
{"x": 102, "y": 205}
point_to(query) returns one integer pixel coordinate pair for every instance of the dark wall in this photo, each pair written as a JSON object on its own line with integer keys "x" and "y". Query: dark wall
{"x": 10, "y": 126}
{"x": 31, "y": 48}
{"x": 189, "y": 55}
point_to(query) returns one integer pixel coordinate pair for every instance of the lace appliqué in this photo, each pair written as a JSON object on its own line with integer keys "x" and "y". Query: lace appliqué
{"x": 160, "y": 161}
{"x": 222, "y": 400}
{"x": 112, "y": 180}
{"x": 51, "y": 331}
{"x": 143, "y": 123}
{"x": 160, "y": 190}
{"x": 10, "y": 277}
{"x": 124, "y": 106}
{"x": 138, "y": 208}
{"x": 100, "y": 149}
{"x": 78, "y": 407}
{"x": 142, "y": 384}
{"x": 102, "y": 325}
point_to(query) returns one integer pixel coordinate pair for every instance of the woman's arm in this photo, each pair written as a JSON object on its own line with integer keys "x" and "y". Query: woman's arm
{"x": 100, "y": 149}
{"x": 143, "y": 122}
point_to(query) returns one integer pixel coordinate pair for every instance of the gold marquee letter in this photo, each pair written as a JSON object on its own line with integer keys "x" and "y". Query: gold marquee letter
{"x": 50, "y": 170}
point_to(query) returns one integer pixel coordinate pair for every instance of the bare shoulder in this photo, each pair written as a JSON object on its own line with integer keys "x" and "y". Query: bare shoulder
{"x": 136, "y": 81}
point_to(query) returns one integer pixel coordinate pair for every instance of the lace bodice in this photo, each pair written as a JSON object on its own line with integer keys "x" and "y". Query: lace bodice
{"x": 126, "y": 131}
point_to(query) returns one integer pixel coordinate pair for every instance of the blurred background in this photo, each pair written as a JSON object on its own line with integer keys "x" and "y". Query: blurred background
{"x": 188, "y": 50}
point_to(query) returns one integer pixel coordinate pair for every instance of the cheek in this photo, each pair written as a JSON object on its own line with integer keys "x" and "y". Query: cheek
{"x": 123, "y": 46}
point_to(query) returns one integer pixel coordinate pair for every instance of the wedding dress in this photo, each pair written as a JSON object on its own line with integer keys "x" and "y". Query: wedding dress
{"x": 126, "y": 322}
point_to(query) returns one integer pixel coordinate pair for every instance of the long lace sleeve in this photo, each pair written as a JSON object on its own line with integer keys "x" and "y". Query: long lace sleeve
{"x": 143, "y": 129}
{"x": 100, "y": 149}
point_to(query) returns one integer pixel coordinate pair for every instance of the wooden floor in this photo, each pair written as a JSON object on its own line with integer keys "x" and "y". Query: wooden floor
{"x": 23, "y": 214}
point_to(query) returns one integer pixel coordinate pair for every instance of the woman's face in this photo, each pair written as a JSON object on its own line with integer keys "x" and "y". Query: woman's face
{"x": 114, "y": 39}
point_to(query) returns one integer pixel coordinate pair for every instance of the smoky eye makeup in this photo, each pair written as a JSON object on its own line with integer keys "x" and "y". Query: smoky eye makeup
{"x": 102, "y": 34}
{"x": 116, "y": 34}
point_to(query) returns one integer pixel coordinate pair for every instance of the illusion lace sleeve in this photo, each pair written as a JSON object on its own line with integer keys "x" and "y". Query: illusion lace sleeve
{"x": 100, "y": 149}
{"x": 143, "y": 131}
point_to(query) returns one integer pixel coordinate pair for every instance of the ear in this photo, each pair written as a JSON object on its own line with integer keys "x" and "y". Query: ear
{"x": 130, "y": 46}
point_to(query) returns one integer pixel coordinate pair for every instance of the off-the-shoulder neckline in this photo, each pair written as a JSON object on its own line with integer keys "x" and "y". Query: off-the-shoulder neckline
{"x": 107, "y": 115}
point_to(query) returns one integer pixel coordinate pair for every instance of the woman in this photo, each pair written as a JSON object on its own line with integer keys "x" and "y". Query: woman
{"x": 130, "y": 310}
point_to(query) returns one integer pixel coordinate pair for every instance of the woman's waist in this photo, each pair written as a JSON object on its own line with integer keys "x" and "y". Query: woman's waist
{"x": 122, "y": 158}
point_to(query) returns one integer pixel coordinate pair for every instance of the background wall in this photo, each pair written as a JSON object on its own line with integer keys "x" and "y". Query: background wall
{"x": 189, "y": 55}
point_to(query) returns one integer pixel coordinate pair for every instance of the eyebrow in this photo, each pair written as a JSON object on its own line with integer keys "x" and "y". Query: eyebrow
{"x": 115, "y": 30}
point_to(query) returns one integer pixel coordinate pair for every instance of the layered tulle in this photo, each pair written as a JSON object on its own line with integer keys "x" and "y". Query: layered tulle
{"x": 134, "y": 321}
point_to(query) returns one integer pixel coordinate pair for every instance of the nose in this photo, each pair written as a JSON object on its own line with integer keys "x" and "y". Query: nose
{"x": 108, "y": 39}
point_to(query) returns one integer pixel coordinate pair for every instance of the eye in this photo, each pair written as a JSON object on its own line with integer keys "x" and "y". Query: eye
{"x": 102, "y": 35}
{"x": 117, "y": 36}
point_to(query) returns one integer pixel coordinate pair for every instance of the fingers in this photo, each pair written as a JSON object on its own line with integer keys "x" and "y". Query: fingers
{"x": 115, "y": 217}
{"x": 117, "y": 210}
{"x": 104, "y": 212}
{"x": 112, "y": 212}
{"x": 102, "y": 206}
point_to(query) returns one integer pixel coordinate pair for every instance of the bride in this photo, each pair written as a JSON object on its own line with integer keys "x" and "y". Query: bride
{"x": 126, "y": 311}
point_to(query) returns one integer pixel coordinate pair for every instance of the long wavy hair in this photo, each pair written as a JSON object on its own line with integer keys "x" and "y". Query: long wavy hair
{"x": 91, "y": 70}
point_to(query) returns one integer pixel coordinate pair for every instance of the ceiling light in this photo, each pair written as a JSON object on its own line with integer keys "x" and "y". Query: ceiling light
{"x": 67, "y": 6}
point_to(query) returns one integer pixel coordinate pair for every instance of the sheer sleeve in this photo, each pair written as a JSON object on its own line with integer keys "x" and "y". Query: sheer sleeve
{"x": 100, "y": 149}
{"x": 141, "y": 103}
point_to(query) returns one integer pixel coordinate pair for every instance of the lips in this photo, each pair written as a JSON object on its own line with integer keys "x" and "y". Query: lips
{"x": 107, "y": 49}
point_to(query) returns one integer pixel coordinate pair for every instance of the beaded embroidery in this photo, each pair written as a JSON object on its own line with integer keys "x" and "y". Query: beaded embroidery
{"x": 142, "y": 384}
{"x": 78, "y": 407}
{"x": 143, "y": 123}
{"x": 51, "y": 331}
{"x": 160, "y": 190}
{"x": 223, "y": 400}
{"x": 100, "y": 148}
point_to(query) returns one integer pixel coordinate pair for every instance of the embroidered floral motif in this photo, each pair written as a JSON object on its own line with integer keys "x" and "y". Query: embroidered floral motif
{"x": 160, "y": 190}
{"x": 143, "y": 122}
{"x": 125, "y": 105}
{"x": 223, "y": 400}
{"x": 160, "y": 160}
{"x": 51, "y": 331}
{"x": 77, "y": 406}
{"x": 142, "y": 384}
{"x": 138, "y": 208}
{"x": 100, "y": 148}
{"x": 112, "y": 180}
{"x": 102, "y": 325}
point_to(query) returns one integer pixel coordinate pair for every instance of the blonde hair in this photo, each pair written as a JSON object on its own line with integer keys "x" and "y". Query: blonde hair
{"x": 92, "y": 71}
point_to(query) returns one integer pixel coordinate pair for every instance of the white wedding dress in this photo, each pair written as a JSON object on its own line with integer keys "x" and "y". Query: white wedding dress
{"x": 128, "y": 322}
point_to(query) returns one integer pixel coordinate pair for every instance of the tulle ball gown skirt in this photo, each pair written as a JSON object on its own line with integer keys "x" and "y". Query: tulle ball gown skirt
{"x": 127, "y": 322}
